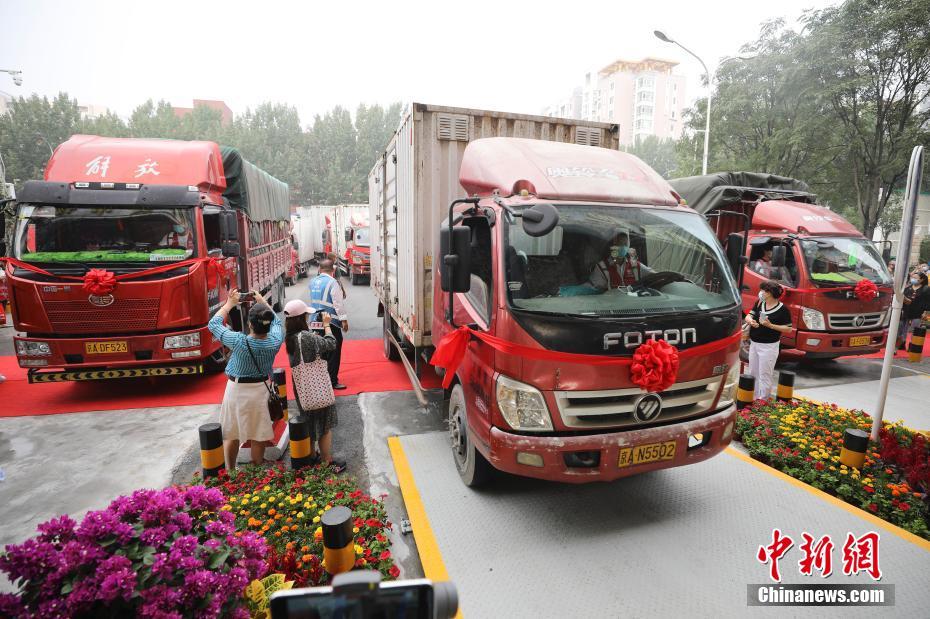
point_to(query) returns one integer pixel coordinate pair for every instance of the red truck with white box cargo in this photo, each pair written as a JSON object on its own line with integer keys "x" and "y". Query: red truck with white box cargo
{"x": 547, "y": 382}
{"x": 126, "y": 249}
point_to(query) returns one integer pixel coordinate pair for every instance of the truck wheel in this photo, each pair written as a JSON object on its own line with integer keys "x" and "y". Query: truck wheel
{"x": 355, "y": 279}
{"x": 216, "y": 363}
{"x": 390, "y": 351}
{"x": 473, "y": 469}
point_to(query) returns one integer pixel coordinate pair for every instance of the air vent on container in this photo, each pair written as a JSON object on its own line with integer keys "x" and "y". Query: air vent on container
{"x": 453, "y": 127}
{"x": 587, "y": 136}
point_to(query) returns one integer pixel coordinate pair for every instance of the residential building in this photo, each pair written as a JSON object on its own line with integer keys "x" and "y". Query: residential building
{"x": 90, "y": 111}
{"x": 643, "y": 97}
{"x": 220, "y": 106}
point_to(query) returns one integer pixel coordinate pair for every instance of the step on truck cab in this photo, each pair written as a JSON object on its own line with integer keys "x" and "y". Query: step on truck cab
{"x": 546, "y": 291}
{"x": 816, "y": 254}
{"x": 134, "y": 208}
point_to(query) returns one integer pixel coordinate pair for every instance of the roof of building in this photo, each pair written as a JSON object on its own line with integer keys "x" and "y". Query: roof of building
{"x": 646, "y": 64}
{"x": 560, "y": 171}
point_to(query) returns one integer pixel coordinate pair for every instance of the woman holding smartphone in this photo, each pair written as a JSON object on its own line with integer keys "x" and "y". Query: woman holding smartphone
{"x": 767, "y": 320}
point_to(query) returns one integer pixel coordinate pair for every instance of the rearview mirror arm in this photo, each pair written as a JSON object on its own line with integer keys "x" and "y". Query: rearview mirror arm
{"x": 449, "y": 261}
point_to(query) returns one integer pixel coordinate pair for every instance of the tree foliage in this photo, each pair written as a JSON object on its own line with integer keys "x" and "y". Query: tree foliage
{"x": 658, "y": 154}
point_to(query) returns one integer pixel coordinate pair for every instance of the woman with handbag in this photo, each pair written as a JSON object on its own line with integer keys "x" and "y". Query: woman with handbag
{"x": 310, "y": 375}
{"x": 245, "y": 414}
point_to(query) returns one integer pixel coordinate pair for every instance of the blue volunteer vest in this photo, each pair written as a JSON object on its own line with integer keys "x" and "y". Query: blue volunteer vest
{"x": 321, "y": 295}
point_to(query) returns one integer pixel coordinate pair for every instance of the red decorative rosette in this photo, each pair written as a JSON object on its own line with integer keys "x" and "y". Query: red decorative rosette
{"x": 216, "y": 271}
{"x": 99, "y": 282}
{"x": 655, "y": 366}
{"x": 865, "y": 290}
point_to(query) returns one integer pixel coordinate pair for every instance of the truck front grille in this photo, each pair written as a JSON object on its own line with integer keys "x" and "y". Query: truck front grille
{"x": 613, "y": 408}
{"x": 122, "y": 316}
{"x": 855, "y": 321}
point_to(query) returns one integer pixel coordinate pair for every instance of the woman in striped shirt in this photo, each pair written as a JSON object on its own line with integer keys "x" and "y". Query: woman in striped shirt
{"x": 244, "y": 412}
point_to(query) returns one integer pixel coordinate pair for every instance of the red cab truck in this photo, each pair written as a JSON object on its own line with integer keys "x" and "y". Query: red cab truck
{"x": 818, "y": 257}
{"x": 531, "y": 287}
{"x": 134, "y": 208}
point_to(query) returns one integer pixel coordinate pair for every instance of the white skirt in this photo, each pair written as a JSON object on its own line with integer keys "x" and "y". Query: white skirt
{"x": 244, "y": 413}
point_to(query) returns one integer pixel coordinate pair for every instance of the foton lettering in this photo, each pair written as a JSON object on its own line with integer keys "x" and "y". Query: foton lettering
{"x": 632, "y": 339}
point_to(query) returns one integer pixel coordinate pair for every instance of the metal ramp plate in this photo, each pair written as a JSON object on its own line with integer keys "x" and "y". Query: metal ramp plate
{"x": 682, "y": 540}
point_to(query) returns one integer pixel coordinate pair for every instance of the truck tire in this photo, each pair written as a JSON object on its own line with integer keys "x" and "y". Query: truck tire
{"x": 355, "y": 279}
{"x": 216, "y": 363}
{"x": 473, "y": 469}
{"x": 390, "y": 351}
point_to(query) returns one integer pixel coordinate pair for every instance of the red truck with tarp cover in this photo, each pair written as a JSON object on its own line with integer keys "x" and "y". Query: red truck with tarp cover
{"x": 128, "y": 246}
{"x": 818, "y": 256}
{"x": 543, "y": 383}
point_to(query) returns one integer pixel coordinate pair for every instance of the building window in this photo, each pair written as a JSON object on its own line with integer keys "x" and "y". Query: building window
{"x": 673, "y": 114}
{"x": 645, "y": 96}
{"x": 644, "y": 110}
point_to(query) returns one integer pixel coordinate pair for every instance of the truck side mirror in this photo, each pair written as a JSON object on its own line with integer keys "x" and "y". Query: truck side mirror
{"x": 779, "y": 253}
{"x": 231, "y": 249}
{"x": 229, "y": 226}
{"x": 456, "y": 259}
{"x": 540, "y": 219}
{"x": 886, "y": 253}
{"x": 735, "y": 253}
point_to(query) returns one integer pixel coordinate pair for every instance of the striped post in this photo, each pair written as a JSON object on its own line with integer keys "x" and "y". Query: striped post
{"x": 915, "y": 349}
{"x": 855, "y": 442}
{"x": 785, "y": 391}
{"x": 338, "y": 545}
{"x": 745, "y": 391}
{"x": 211, "y": 449}
{"x": 301, "y": 443}
{"x": 279, "y": 378}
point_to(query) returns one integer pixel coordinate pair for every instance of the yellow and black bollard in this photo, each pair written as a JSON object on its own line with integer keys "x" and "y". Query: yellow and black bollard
{"x": 211, "y": 449}
{"x": 301, "y": 443}
{"x": 279, "y": 378}
{"x": 785, "y": 391}
{"x": 915, "y": 349}
{"x": 338, "y": 545}
{"x": 745, "y": 391}
{"x": 855, "y": 442}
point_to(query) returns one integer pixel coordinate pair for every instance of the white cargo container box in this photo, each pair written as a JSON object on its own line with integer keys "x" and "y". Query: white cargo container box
{"x": 413, "y": 183}
{"x": 345, "y": 216}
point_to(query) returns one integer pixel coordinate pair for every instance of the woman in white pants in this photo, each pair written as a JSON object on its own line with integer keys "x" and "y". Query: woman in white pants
{"x": 767, "y": 321}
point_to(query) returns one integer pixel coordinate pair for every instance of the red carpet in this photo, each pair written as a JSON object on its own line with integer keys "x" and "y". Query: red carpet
{"x": 363, "y": 369}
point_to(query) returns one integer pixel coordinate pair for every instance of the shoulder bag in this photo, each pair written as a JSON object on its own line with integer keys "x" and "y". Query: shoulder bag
{"x": 276, "y": 405}
{"x": 312, "y": 384}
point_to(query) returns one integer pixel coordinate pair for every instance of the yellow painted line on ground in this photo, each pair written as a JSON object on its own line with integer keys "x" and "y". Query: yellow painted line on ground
{"x": 430, "y": 556}
{"x": 852, "y": 509}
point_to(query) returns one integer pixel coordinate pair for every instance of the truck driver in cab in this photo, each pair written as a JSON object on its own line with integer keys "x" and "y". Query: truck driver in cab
{"x": 620, "y": 267}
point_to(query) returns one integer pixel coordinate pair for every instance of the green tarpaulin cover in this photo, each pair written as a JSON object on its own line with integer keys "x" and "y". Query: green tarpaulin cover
{"x": 714, "y": 191}
{"x": 256, "y": 192}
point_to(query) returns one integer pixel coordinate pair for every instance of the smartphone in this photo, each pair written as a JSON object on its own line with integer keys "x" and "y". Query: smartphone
{"x": 246, "y": 296}
{"x": 413, "y": 599}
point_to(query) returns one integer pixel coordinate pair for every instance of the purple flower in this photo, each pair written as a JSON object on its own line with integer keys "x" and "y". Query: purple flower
{"x": 31, "y": 560}
{"x": 97, "y": 525}
{"x": 52, "y": 609}
{"x": 161, "y": 567}
{"x": 184, "y": 545}
{"x": 215, "y": 527}
{"x": 212, "y": 544}
{"x": 118, "y": 584}
{"x": 74, "y": 554}
{"x": 10, "y": 605}
{"x": 154, "y": 537}
{"x": 183, "y": 521}
{"x": 57, "y": 529}
{"x": 161, "y": 507}
{"x": 201, "y": 498}
{"x": 199, "y": 583}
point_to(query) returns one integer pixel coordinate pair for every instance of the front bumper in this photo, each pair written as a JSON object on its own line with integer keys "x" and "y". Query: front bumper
{"x": 839, "y": 343}
{"x": 141, "y": 351}
{"x": 361, "y": 269}
{"x": 504, "y": 447}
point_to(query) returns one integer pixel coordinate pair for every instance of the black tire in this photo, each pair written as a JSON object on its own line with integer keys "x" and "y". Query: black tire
{"x": 390, "y": 351}
{"x": 474, "y": 470}
{"x": 216, "y": 363}
{"x": 355, "y": 279}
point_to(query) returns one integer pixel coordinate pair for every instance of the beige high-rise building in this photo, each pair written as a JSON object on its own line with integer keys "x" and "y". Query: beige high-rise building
{"x": 642, "y": 97}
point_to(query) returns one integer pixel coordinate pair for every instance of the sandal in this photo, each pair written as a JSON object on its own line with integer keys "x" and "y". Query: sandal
{"x": 338, "y": 466}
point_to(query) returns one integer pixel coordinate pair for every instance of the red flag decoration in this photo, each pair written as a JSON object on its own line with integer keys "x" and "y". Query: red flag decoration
{"x": 99, "y": 282}
{"x": 865, "y": 289}
{"x": 216, "y": 271}
{"x": 655, "y": 366}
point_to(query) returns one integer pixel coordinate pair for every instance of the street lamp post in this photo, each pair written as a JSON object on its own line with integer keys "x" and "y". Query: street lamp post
{"x": 42, "y": 138}
{"x": 710, "y": 88}
{"x": 15, "y": 74}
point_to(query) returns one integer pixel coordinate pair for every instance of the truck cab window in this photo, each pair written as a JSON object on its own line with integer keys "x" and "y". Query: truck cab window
{"x": 481, "y": 280}
{"x": 211, "y": 231}
{"x": 760, "y": 257}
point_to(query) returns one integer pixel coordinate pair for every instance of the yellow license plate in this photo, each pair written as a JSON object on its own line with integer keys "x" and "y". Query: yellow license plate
{"x": 862, "y": 340}
{"x": 642, "y": 454}
{"x": 105, "y": 348}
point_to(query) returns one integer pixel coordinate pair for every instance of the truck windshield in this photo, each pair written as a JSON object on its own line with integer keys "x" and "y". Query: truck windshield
{"x": 361, "y": 237}
{"x": 841, "y": 261}
{"x": 79, "y": 234}
{"x": 623, "y": 261}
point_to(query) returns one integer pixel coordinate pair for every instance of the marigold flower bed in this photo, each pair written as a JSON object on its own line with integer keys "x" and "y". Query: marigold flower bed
{"x": 803, "y": 439}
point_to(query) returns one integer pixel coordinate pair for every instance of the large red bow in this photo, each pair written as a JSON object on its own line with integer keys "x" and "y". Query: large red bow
{"x": 216, "y": 271}
{"x": 99, "y": 282}
{"x": 655, "y": 366}
{"x": 865, "y": 290}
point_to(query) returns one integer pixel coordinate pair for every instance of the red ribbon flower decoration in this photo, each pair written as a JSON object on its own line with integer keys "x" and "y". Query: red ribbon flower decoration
{"x": 99, "y": 282}
{"x": 216, "y": 271}
{"x": 865, "y": 290}
{"x": 655, "y": 366}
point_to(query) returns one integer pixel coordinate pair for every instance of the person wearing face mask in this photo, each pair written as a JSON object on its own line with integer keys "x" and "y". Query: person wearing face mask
{"x": 916, "y": 305}
{"x": 620, "y": 267}
{"x": 767, "y": 321}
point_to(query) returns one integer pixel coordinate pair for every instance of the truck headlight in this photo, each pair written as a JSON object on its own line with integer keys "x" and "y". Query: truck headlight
{"x": 188, "y": 340}
{"x": 728, "y": 395}
{"x": 813, "y": 319}
{"x": 26, "y": 348}
{"x": 522, "y": 406}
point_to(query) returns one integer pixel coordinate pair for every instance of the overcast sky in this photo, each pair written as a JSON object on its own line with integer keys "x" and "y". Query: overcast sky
{"x": 501, "y": 55}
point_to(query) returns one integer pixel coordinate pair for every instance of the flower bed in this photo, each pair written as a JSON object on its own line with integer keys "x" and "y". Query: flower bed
{"x": 803, "y": 439}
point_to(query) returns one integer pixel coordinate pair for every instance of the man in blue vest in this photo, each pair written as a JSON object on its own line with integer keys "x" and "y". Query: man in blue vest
{"x": 327, "y": 294}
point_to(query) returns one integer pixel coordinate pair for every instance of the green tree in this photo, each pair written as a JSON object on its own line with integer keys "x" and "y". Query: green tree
{"x": 332, "y": 165}
{"x": 151, "y": 120}
{"x": 30, "y": 128}
{"x": 374, "y": 127}
{"x": 658, "y": 154}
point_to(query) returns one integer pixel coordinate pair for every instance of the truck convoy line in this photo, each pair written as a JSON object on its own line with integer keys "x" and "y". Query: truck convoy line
{"x": 546, "y": 206}
{"x": 126, "y": 206}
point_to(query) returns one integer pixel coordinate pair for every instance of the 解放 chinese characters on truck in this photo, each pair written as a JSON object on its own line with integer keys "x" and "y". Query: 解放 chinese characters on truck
{"x": 586, "y": 321}
{"x": 128, "y": 246}
{"x": 838, "y": 289}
